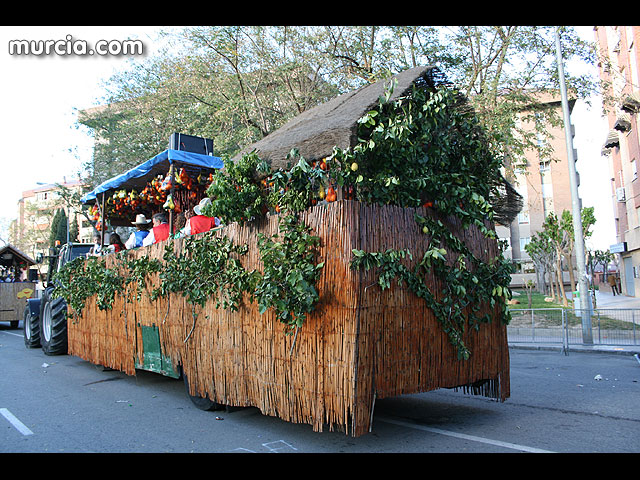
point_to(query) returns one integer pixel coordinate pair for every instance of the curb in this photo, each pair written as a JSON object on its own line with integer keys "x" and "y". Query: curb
{"x": 612, "y": 350}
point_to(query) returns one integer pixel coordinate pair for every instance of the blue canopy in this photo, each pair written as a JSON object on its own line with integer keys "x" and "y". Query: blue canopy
{"x": 138, "y": 176}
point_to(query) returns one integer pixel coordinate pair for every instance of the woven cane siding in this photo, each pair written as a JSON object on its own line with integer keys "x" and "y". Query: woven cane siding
{"x": 359, "y": 344}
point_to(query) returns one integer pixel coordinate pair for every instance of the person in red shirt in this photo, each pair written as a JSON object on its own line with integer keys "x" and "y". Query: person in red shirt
{"x": 115, "y": 244}
{"x": 160, "y": 230}
{"x": 200, "y": 223}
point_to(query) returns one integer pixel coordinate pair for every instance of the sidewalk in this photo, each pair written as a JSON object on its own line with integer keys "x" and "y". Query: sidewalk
{"x": 608, "y": 300}
{"x": 604, "y": 300}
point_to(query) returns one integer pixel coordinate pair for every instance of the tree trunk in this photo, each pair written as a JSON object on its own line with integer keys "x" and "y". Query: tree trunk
{"x": 552, "y": 288}
{"x": 561, "y": 283}
{"x": 572, "y": 279}
{"x": 540, "y": 286}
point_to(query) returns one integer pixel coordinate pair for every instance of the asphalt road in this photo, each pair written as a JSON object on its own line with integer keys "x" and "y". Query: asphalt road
{"x": 576, "y": 403}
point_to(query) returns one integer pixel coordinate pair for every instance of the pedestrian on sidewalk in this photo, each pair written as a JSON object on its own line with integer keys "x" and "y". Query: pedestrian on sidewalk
{"x": 613, "y": 284}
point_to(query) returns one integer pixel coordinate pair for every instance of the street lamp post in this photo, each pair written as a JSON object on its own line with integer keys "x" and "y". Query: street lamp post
{"x": 587, "y": 335}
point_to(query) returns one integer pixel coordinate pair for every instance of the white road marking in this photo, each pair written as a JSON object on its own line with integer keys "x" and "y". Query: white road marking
{"x": 12, "y": 333}
{"x": 21, "y": 427}
{"x": 278, "y": 445}
{"x": 464, "y": 436}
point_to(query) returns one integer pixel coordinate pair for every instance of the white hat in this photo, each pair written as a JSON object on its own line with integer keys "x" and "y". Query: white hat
{"x": 141, "y": 220}
{"x": 203, "y": 203}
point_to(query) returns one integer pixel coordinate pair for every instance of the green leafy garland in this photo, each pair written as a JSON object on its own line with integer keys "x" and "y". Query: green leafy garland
{"x": 80, "y": 279}
{"x": 290, "y": 272}
{"x": 138, "y": 270}
{"x": 287, "y": 285}
{"x": 235, "y": 195}
{"x": 468, "y": 284}
{"x": 419, "y": 150}
{"x": 295, "y": 189}
{"x": 422, "y": 151}
{"x": 209, "y": 267}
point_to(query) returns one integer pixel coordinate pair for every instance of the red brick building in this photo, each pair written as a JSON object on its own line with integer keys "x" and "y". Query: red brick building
{"x": 618, "y": 57}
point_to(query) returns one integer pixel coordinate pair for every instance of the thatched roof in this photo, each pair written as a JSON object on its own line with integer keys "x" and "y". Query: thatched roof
{"x": 316, "y": 131}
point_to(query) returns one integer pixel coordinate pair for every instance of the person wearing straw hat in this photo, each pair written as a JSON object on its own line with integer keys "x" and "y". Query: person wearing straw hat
{"x": 200, "y": 223}
{"x": 136, "y": 238}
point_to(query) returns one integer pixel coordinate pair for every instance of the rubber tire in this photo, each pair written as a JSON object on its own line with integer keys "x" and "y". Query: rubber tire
{"x": 201, "y": 403}
{"x": 102, "y": 368}
{"x": 53, "y": 324}
{"x": 31, "y": 328}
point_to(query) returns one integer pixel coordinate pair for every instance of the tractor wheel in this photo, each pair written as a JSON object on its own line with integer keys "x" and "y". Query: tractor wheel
{"x": 31, "y": 328}
{"x": 53, "y": 324}
{"x": 201, "y": 403}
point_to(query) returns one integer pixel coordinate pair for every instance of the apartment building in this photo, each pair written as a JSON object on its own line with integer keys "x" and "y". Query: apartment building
{"x": 618, "y": 65}
{"x": 544, "y": 184}
{"x": 31, "y": 229}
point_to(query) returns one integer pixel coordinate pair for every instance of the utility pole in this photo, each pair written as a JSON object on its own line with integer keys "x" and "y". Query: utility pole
{"x": 587, "y": 335}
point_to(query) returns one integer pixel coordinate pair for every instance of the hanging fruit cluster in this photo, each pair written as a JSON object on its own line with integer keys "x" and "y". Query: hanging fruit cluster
{"x": 157, "y": 195}
{"x": 123, "y": 203}
{"x": 327, "y": 194}
{"x": 304, "y": 185}
{"x": 94, "y": 214}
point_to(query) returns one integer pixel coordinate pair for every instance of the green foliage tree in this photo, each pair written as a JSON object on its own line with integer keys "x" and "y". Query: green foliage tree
{"x": 58, "y": 228}
{"x": 543, "y": 255}
{"x": 236, "y": 84}
{"x": 74, "y": 229}
{"x": 71, "y": 200}
{"x": 600, "y": 257}
{"x": 561, "y": 235}
{"x": 588, "y": 220}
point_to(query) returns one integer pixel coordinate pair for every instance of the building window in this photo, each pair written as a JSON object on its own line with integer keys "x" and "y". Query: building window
{"x": 524, "y": 241}
{"x": 545, "y": 166}
{"x": 634, "y": 170}
{"x": 523, "y": 217}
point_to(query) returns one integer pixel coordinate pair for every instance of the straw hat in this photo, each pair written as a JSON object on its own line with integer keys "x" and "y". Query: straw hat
{"x": 203, "y": 203}
{"x": 141, "y": 220}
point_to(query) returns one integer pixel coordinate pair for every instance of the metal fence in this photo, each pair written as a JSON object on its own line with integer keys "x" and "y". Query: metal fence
{"x": 563, "y": 326}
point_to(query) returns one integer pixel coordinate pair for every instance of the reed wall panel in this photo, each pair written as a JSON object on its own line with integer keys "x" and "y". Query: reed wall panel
{"x": 360, "y": 344}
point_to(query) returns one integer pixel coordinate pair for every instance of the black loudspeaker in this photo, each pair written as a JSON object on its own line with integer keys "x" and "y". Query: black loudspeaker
{"x": 189, "y": 143}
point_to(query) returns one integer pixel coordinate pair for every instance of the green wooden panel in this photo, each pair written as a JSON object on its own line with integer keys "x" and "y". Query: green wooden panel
{"x": 152, "y": 358}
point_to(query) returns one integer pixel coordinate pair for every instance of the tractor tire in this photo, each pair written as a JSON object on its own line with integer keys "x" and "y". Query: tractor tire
{"x": 53, "y": 324}
{"x": 31, "y": 328}
{"x": 201, "y": 403}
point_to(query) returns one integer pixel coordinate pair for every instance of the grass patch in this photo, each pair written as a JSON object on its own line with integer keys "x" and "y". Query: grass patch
{"x": 537, "y": 300}
{"x": 548, "y": 314}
